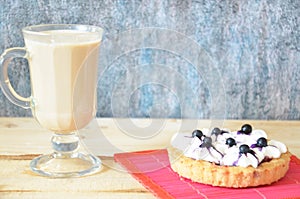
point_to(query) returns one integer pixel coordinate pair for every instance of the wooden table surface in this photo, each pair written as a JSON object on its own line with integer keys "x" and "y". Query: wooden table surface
{"x": 22, "y": 139}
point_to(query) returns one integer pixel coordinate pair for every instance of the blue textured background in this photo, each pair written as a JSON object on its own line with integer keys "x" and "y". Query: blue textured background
{"x": 254, "y": 45}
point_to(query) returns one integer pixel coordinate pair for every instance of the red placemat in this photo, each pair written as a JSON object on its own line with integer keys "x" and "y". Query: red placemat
{"x": 152, "y": 169}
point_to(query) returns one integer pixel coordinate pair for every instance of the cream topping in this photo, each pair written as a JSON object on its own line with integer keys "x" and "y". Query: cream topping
{"x": 222, "y": 154}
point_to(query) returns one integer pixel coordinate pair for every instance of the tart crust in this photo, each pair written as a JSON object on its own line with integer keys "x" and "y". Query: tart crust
{"x": 228, "y": 176}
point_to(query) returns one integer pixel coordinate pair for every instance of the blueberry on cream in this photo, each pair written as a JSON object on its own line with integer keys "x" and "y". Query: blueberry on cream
{"x": 230, "y": 142}
{"x": 270, "y": 150}
{"x": 246, "y": 129}
{"x": 207, "y": 142}
{"x": 216, "y": 133}
{"x": 197, "y": 133}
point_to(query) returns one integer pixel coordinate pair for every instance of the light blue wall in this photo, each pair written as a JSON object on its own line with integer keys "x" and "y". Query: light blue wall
{"x": 153, "y": 62}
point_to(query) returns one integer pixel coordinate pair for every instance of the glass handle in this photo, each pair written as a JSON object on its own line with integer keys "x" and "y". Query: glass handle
{"x": 7, "y": 89}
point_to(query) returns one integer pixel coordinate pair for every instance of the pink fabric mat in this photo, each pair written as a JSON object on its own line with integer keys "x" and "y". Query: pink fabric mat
{"x": 152, "y": 169}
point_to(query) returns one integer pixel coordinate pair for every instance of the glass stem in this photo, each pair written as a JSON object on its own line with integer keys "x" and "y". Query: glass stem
{"x": 65, "y": 143}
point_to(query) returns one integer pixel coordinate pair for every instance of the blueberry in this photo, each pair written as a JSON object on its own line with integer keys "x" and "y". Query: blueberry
{"x": 246, "y": 129}
{"x": 207, "y": 142}
{"x": 244, "y": 148}
{"x": 216, "y": 131}
{"x": 230, "y": 142}
{"x": 197, "y": 133}
{"x": 262, "y": 142}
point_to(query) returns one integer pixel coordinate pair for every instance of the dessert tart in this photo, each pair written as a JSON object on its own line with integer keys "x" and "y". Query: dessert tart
{"x": 243, "y": 158}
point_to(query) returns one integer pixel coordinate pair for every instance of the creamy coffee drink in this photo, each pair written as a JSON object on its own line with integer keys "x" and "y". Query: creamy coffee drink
{"x": 63, "y": 62}
{"x": 63, "y": 72}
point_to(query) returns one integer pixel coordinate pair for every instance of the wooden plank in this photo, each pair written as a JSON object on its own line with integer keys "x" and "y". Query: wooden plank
{"x": 24, "y": 136}
{"x": 17, "y": 180}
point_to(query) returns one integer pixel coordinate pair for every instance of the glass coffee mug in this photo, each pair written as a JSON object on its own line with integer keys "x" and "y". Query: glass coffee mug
{"x": 63, "y": 61}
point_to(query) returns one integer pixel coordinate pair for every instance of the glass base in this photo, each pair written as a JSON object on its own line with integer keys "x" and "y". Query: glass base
{"x": 67, "y": 160}
{"x": 62, "y": 166}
